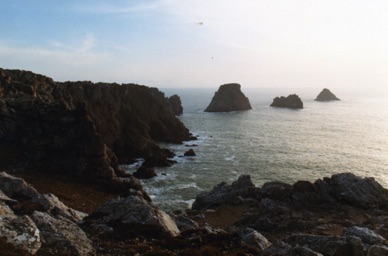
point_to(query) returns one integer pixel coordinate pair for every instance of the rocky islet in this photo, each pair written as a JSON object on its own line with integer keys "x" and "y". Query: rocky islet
{"x": 229, "y": 97}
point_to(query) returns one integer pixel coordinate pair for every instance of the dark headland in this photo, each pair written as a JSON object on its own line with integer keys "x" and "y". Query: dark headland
{"x": 229, "y": 97}
{"x": 62, "y": 191}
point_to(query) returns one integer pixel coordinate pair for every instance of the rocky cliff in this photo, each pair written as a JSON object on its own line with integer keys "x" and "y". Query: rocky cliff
{"x": 82, "y": 128}
{"x": 229, "y": 98}
{"x": 291, "y": 101}
{"x": 326, "y": 95}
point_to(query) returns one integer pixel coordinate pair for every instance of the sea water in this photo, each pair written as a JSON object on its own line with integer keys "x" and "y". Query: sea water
{"x": 270, "y": 144}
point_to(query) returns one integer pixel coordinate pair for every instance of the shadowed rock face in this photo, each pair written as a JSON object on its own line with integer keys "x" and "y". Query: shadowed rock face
{"x": 229, "y": 98}
{"x": 81, "y": 128}
{"x": 291, "y": 101}
{"x": 326, "y": 95}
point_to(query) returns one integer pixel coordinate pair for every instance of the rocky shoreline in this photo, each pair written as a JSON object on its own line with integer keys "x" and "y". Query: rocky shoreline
{"x": 339, "y": 215}
{"x": 63, "y": 192}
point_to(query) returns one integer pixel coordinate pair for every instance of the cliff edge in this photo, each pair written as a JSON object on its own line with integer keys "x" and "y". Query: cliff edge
{"x": 83, "y": 129}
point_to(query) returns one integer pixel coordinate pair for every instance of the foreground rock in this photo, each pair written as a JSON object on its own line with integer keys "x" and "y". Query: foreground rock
{"x": 38, "y": 224}
{"x": 229, "y": 98}
{"x": 326, "y": 95}
{"x": 82, "y": 129}
{"x": 133, "y": 215}
{"x": 341, "y": 215}
{"x": 291, "y": 101}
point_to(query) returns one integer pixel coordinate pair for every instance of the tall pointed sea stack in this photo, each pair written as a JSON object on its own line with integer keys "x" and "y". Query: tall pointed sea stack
{"x": 229, "y": 98}
{"x": 326, "y": 95}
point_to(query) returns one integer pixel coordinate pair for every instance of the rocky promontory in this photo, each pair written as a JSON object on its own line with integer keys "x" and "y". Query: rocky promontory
{"x": 229, "y": 97}
{"x": 326, "y": 95}
{"x": 83, "y": 129}
{"x": 291, "y": 101}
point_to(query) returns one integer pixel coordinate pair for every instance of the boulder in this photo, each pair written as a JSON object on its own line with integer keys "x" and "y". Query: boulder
{"x": 29, "y": 200}
{"x": 326, "y": 95}
{"x": 20, "y": 233}
{"x": 254, "y": 238}
{"x": 229, "y": 98}
{"x": 37, "y": 223}
{"x": 291, "y": 101}
{"x": 134, "y": 215}
{"x": 61, "y": 236}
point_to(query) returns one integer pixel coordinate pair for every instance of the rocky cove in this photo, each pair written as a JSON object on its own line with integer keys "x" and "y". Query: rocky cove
{"x": 68, "y": 139}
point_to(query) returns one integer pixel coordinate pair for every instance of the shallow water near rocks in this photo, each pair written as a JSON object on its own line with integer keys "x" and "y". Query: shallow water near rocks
{"x": 268, "y": 143}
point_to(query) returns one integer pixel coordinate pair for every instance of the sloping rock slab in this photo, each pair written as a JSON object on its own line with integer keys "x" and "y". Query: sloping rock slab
{"x": 223, "y": 193}
{"x": 133, "y": 211}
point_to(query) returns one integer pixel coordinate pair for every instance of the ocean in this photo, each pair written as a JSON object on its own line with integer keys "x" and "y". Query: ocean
{"x": 270, "y": 144}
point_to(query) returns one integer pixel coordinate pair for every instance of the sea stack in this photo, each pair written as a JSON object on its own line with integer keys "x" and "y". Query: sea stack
{"x": 326, "y": 95}
{"x": 292, "y": 101}
{"x": 229, "y": 98}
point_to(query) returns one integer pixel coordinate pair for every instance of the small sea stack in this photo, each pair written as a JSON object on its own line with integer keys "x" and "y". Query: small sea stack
{"x": 291, "y": 101}
{"x": 326, "y": 95}
{"x": 229, "y": 98}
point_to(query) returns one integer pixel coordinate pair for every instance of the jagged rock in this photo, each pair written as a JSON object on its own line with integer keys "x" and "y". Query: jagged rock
{"x": 144, "y": 173}
{"x": 291, "y": 101}
{"x": 326, "y": 95}
{"x": 378, "y": 250}
{"x": 229, "y": 98}
{"x": 366, "y": 235}
{"x": 176, "y": 105}
{"x": 254, "y": 238}
{"x": 30, "y": 200}
{"x": 134, "y": 214}
{"x": 190, "y": 152}
{"x": 224, "y": 193}
{"x": 328, "y": 245}
{"x": 361, "y": 192}
{"x": 20, "y": 232}
{"x": 62, "y": 236}
{"x": 183, "y": 222}
{"x": 42, "y": 222}
{"x": 276, "y": 190}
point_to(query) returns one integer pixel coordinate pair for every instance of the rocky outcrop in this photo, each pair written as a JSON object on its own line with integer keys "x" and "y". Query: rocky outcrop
{"x": 304, "y": 218}
{"x": 35, "y": 223}
{"x": 133, "y": 215}
{"x": 326, "y": 217}
{"x": 83, "y": 129}
{"x": 229, "y": 98}
{"x": 326, "y": 95}
{"x": 223, "y": 193}
{"x": 176, "y": 105}
{"x": 291, "y": 101}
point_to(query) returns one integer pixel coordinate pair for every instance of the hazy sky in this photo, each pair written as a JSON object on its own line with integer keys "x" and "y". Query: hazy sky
{"x": 198, "y": 43}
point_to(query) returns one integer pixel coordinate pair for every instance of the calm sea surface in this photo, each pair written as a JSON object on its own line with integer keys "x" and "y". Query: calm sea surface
{"x": 268, "y": 143}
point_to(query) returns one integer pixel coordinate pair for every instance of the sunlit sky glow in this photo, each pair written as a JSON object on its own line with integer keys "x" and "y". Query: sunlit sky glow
{"x": 198, "y": 43}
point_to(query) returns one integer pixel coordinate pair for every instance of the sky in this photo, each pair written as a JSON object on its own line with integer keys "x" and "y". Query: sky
{"x": 341, "y": 44}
